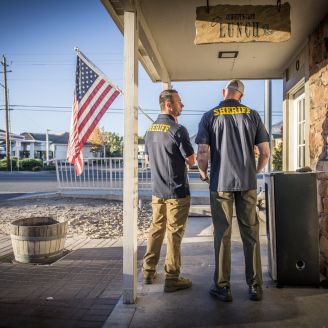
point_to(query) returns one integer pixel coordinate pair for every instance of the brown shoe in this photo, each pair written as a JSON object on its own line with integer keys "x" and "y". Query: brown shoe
{"x": 148, "y": 280}
{"x": 171, "y": 285}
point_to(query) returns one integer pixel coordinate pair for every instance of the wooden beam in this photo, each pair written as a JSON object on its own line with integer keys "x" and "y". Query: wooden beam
{"x": 151, "y": 48}
{"x": 130, "y": 158}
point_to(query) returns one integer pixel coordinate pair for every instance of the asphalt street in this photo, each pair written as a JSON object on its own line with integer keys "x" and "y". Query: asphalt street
{"x": 27, "y": 182}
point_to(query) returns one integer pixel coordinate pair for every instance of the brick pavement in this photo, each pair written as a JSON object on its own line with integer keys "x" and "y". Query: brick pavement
{"x": 79, "y": 290}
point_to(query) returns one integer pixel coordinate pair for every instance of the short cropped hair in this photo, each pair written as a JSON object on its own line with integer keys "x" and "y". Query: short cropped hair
{"x": 166, "y": 95}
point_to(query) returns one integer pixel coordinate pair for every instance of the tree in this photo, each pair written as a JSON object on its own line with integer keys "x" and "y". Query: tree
{"x": 277, "y": 158}
{"x": 113, "y": 144}
{"x": 97, "y": 140}
{"x": 141, "y": 140}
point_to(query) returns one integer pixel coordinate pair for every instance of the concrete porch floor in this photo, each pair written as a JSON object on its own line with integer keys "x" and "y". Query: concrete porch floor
{"x": 284, "y": 307}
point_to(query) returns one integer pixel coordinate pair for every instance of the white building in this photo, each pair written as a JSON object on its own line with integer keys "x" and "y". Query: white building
{"x": 33, "y": 145}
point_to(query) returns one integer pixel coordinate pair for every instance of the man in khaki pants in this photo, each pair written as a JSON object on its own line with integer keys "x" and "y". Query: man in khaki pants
{"x": 229, "y": 132}
{"x": 168, "y": 149}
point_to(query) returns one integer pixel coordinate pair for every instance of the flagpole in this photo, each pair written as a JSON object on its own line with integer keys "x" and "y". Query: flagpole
{"x": 141, "y": 110}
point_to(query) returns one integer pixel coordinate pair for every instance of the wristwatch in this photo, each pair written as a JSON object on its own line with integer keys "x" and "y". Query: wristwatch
{"x": 204, "y": 179}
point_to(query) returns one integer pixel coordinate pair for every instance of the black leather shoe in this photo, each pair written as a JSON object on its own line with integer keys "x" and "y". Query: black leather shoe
{"x": 255, "y": 293}
{"x": 222, "y": 293}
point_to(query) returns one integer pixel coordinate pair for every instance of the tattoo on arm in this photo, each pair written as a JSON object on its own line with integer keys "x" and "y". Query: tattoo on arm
{"x": 202, "y": 158}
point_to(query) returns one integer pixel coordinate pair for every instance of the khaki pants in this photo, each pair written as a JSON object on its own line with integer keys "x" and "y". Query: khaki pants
{"x": 169, "y": 215}
{"x": 222, "y": 209}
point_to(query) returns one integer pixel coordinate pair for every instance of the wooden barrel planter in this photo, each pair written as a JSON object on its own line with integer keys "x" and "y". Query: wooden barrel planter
{"x": 38, "y": 239}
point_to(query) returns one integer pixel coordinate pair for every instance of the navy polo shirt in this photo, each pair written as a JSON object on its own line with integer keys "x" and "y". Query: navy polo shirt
{"x": 167, "y": 143}
{"x": 231, "y": 130}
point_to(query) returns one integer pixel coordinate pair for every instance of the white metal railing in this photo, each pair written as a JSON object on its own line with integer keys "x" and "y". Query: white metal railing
{"x": 107, "y": 174}
{"x": 99, "y": 173}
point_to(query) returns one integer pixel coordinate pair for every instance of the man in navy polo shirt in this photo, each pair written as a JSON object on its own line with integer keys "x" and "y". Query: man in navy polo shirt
{"x": 168, "y": 149}
{"x": 228, "y": 133}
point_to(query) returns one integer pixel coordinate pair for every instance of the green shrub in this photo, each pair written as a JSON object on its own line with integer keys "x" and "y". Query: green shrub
{"x": 36, "y": 168}
{"x": 29, "y": 163}
{"x": 49, "y": 167}
{"x": 277, "y": 158}
{"x": 3, "y": 163}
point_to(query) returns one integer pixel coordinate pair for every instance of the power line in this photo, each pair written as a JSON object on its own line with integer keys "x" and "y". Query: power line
{"x": 119, "y": 111}
{"x": 145, "y": 109}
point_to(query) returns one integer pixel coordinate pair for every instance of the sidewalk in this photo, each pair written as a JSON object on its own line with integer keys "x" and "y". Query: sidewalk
{"x": 79, "y": 290}
{"x": 286, "y": 307}
{"x": 83, "y": 289}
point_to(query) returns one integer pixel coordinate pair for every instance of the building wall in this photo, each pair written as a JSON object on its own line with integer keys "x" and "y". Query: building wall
{"x": 60, "y": 151}
{"x": 318, "y": 138}
{"x": 318, "y": 84}
{"x": 308, "y": 74}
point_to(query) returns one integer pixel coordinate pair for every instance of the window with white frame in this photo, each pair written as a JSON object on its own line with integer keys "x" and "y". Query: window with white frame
{"x": 300, "y": 108}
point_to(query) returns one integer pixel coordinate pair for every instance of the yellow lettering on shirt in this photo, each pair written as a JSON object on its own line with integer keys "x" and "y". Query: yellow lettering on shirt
{"x": 159, "y": 127}
{"x": 231, "y": 110}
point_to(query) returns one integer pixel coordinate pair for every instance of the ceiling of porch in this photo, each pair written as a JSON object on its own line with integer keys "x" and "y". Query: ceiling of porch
{"x": 167, "y": 32}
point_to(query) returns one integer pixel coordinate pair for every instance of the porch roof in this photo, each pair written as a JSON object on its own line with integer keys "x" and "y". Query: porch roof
{"x": 168, "y": 53}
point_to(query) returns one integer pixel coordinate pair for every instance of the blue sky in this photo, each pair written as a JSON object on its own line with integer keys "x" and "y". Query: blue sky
{"x": 38, "y": 38}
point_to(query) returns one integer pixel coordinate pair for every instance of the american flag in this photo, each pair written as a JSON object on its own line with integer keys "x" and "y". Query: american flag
{"x": 94, "y": 93}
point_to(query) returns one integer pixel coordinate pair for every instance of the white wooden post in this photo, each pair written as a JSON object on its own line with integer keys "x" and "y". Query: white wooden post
{"x": 130, "y": 158}
{"x": 268, "y": 114}
{"x": 31, "y": 150}
{"x": 166, "y": 85}
{"x": 17, "y": 148}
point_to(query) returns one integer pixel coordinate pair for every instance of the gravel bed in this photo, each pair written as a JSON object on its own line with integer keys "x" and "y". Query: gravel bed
{"x": 93, "y": 218}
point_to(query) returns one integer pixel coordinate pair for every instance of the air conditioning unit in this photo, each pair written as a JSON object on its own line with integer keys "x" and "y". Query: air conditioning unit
{"x": 292, "y": 228}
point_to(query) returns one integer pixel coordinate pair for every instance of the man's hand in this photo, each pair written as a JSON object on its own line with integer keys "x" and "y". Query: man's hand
{"x": 204, "y": 178}
{"x": 202, "y": 159}
{"x": 191, "y": 160}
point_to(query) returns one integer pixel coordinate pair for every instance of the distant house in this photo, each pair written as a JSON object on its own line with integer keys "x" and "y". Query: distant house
{"x": 276, "y": 132}
{"x": 141, "y": 149}
{"x": 14, "y": 139}
{"x": 33, "y": 145}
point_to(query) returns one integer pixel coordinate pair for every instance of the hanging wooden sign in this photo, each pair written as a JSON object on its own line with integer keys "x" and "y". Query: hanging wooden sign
{"x": 230, "y": 23}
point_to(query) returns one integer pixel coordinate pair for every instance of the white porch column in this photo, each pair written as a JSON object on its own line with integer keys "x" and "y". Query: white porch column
{"x": 31, "y": 150}
{"x": 17, "y": 148}
{"x": 130, "y": 158}
{"x": 268, "y": 115}
{"x": 166, "y": 85}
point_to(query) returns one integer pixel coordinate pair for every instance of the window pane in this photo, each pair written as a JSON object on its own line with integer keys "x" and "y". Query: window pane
{"x": 298, "y": 157}
{"x": 299, "y": 134}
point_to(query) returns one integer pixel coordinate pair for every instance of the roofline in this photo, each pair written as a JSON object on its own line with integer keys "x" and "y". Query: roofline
{"x": 148, "y": 53}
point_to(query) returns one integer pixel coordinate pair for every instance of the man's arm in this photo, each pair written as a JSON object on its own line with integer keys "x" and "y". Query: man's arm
{"x": 264, "y": 150}
{"x": 147, "y": 159}
{"x": 202, "y": 159}
{"x": 191, "y": 160}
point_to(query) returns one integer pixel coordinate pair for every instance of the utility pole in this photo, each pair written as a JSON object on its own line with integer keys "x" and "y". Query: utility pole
{"x": 47, "y": 146}
{"x": 4, "y": 64}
